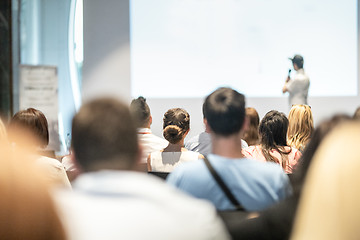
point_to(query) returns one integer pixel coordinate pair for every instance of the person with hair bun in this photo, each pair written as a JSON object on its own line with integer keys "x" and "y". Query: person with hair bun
{"x": 176, "y": 126}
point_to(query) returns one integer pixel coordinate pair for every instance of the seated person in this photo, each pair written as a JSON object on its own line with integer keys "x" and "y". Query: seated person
{"x": 276, "y": 222}
{"x": 176, "y": 127}
{"x": 328, "y": 207}
{"x": 34, "y": 123}
{"x": 27, "y": 209}
{"x": 251, "y": 135}
{"x": 273, "y": 147}
{"x": 112, "y": 201}
{"x": 255, "y": 185}
{"x": 140, "y": 112}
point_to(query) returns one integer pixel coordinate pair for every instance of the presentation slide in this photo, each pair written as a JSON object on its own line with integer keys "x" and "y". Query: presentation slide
{"x": 188, "y": 48}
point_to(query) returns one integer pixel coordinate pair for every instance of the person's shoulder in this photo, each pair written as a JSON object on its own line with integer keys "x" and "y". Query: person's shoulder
{"x": 192, "y": 142}
{"x": 157, "y": 139}
{"x": 191, "y": 154}
{"x": 50, "y": 161}
{"x": 266, "y": 168}
{"x": 186, "y": 171}
{"x": 198, "y": 217}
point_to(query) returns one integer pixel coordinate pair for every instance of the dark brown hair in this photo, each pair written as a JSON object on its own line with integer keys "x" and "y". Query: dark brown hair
{"x": 251, "y": 136}
{"x": 272, "y": 130}
{"x": 104, "y": 136}
{"x": 140, "y": 111}
{"x": 224, "y": 110}
{"x": 176, "y": 123}
{"x": 33, "y": 121}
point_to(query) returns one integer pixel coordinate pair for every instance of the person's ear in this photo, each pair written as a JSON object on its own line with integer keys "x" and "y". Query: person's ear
{"x": 73, "y": 159}
{"x": 186, "y": 133}
{"x": 150, "y": 120}
{"x": 207, "y": 126}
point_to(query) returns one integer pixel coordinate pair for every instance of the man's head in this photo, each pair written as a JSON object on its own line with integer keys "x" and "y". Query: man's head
{"x": 298, "y": 62}
{"x": 224, "y": 111}
{"x": 104, "y": 136}
{"x": 140, "y": 112}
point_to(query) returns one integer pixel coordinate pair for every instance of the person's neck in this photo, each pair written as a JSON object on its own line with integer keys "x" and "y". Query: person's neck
{"x": 177, "y": 147}
{"x": 174, "y": 147}
{"x": 229, "y": 146}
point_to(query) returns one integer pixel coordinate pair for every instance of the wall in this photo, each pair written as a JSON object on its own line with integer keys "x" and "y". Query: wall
{"x": 107, "y": 70}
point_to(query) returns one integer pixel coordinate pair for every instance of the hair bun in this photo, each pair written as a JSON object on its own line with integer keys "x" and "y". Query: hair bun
{"x": 173, "y": 134}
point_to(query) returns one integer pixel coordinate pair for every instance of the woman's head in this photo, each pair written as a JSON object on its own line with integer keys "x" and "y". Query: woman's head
{"x": 251, "y": 136}
{"x": 27, "y": 210}
{"x": 328, "y": 208}
{"x": 301, "y": 126}
{"x": 34, "y": 122}
{"x": 272, "y": 129}
{"x": 176, "y": 124}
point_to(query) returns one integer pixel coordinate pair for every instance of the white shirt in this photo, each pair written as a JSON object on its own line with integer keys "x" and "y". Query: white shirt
{"x": 150, "y": 143}
{"x": 129, "y": 205}
{"x": 168, "y": 161}
{"x": 298, "y": 88}
{"x": 53, "y": 171}
{"x": 202, "y": 143}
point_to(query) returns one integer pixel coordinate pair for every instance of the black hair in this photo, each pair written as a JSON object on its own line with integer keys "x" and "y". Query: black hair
{"x": 224, "y": 110}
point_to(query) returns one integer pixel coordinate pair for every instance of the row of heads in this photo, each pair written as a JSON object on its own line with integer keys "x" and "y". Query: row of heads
{"x": 105, "y": 128}
{"x": 104, "y": 132}
{"x": 225, "y": 117}
{"x": 224, "y": 109}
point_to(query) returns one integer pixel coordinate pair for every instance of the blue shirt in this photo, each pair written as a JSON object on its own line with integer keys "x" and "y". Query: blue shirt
{"x": 256, "y": 185}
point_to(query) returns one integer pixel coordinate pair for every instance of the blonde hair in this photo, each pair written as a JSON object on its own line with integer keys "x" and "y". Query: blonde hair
{"x": 301, "y": 126}
{"x": 329, "y": 207}
{"x": 26, "y": 208}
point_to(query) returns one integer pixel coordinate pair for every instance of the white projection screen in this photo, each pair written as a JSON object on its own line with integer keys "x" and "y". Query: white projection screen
{"x": 188, "y": 48}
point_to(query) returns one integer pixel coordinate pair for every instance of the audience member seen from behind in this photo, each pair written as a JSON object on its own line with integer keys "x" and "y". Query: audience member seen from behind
{"x": 26, "y": 208}
{"x": 201, "y": 143}
{"x": 112, "y": 201}
{"x": 176, "y": 126}
{"x": 34, "y": 123}
{"x": 270, "y": 223}
{"x": 251, "y": 135}
{"x": 255, "y": 185}
{"x": 328, "y": 208}
{"x": 141, "y": 114}
{"x": 273, "y": 147}
{"x": 356, "y": 115}
{"x": 301, "y": 126}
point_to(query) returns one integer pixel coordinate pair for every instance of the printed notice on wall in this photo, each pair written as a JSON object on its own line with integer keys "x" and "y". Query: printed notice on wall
{"x": 39, "y": 90}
